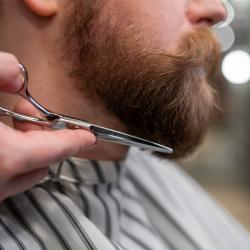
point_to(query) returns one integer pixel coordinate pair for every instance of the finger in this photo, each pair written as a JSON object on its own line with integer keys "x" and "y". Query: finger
{"x": 10, "y": 80}
{"x": 57, "y": 145}
{"x": 4, "y": 127}
{"x": 24, "y": 107}
{"x": 23, "y": 182}
{"x": 35, "y": 149}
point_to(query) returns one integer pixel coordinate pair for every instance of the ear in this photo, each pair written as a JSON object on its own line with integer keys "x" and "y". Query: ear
{"x": 44, "y": 8}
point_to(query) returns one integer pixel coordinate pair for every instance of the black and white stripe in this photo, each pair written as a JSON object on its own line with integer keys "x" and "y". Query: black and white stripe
{"x": 7, "y": 232}
{"x": 111, "y": 204}
{"x": 141, "y": 203}
{"x": 24, "y": 223}
{"x": 54, "y": 229}
{"x": 84, "y": 198}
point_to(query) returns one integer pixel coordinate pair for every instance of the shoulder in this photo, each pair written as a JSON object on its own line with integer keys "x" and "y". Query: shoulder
{"x": 145, "y": 164}
{"x": 42, "y": 219}
{"x": 173, "y": 198}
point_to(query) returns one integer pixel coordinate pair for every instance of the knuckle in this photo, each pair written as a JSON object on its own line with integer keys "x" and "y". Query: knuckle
{"x": 7, "y": 168}
{"x": 11, "y": 158}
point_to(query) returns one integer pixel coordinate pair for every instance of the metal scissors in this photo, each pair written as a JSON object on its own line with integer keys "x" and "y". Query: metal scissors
{"x": 58, "y": 121}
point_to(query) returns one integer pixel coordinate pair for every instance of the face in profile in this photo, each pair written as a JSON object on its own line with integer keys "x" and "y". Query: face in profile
{"x": 147, "y": 64}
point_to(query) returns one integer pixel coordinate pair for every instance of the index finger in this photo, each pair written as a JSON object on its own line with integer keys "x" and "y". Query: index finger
{"x": 10, "y": 80}
{"x": 36, "y": 149}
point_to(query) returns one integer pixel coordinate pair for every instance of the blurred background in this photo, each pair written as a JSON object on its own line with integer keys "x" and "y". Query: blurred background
{"x": 222, "y": 163}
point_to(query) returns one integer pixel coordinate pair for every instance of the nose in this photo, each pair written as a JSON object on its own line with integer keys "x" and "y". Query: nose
{"x": 205, "y": 12}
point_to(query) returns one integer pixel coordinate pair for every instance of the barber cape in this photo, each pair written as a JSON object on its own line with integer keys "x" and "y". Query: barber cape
{"x": 141, "y": 203}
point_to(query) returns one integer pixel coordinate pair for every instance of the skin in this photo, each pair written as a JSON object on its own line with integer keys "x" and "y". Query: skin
{"x": 23, "y": 165}
{"x": 34, "y": 25}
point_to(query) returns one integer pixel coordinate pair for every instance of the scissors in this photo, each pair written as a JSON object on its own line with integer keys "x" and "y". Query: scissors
{"x": 58, "y": 121}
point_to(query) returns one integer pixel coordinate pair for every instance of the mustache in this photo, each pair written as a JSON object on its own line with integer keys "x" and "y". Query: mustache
{"x": 197, "y": 49}
{"x": 200, "y": 48}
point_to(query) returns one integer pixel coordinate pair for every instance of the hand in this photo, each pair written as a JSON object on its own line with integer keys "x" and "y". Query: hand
{"x": 10, "y": 80}
{"x": 25, "y": 155}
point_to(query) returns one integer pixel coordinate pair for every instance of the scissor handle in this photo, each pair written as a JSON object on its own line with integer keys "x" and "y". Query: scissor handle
{"x": 24, "y": 92}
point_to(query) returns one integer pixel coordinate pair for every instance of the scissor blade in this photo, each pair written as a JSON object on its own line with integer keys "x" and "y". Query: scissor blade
{"x": 110, "y": 134}
{"x": 126, "y": 139}
{"x": 24, "y": 118}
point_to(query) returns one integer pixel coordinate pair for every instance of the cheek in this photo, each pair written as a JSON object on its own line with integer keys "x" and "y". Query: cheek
{"x": 161, "y": 22}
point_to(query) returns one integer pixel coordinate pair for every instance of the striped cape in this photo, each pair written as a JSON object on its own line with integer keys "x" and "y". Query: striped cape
{"x": 141, "y": 203}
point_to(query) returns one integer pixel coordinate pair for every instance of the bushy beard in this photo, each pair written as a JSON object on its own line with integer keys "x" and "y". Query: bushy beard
{"x": 159, "y": 96}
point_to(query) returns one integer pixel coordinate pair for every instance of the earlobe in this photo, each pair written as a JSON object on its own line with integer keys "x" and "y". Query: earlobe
{"x": 44, "y": 8}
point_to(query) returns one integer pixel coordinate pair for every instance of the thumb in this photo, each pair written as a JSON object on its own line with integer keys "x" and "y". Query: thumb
{"x": 10, "y": 80}
{"x": 26, "y": 108}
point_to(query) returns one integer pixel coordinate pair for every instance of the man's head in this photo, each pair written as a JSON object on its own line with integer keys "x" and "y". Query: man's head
{"x": 145, "y": 63}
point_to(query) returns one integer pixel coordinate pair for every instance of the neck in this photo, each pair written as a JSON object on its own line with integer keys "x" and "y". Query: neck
{"x": 50, "y": 84}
